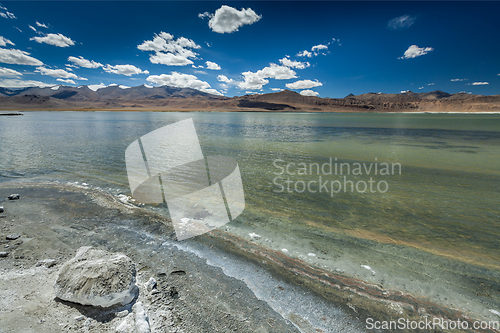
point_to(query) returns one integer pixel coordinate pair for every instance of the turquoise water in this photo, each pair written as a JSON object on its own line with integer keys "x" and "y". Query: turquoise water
{"x": 431, "y": 228}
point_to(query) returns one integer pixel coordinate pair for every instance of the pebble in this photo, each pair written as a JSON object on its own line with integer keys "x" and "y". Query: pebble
{"x": 4, "y": 254}
{"x": 13, "y": 197}
{"x": 253, "y": 235}
{"x": 79, "y": 318}
{"x": 151, "y": 284}
{"x": 2, "y": 209}
{"x": 47, "y": 263}
{"x": 13, "y": 236}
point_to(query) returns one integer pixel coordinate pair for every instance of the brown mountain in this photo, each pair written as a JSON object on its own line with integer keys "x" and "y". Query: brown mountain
{"x": 167, "y": 98}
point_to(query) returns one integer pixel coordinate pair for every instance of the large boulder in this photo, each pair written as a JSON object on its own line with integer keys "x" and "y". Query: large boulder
{"x": 96, "y": 277}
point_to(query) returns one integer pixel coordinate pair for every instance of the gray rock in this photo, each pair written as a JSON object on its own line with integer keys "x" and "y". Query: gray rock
{"x": 96, "y": 277}
{"x": 13, "y": 197}
{"x": 2, "y": 209}
{"x": 79, "y": 318}
{"x": 47, "y": 263}
{"x": 151, "y": 284}
{"x": 4, "y": 254}
{"x": 13, "y": 236}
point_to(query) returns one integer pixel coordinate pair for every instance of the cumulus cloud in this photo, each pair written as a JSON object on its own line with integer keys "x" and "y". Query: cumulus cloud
{"x": 415, "y": 51}
{"x": 82, "y": 62}
{"x": 316, "y": 48}
{"x": 61, "y": 73}
{"x": 127, "y": 70}
{"x": 223, "y": 78}
{"x": 41, "y": 25}
{"x": 16, "y": 83}
{"x": 227, "y": 19}
{"x": 255, "y": 81}
{"x": 200, "y": 66}
{"x": 170, "y": 51}
{"x": 252, "y": 81}
{"x": 309, "y": 93}
{"x": 304, "y": 84}
{"x": 213, "y": 66}
{"x": 4, "y": 41}
{"x": 276, "y": 89}
{"x": 6, "y": 14}
{"x": 305, "y": 53}
{"x": 401, "y": 22}
{"x": 294, "y": 64}
{"x": 18, "y": 57}
{"x": 180, "y": 80}
{"x": 480, "y": 83}
{"x": 69, "y": 81}
{"x": 54, "y": 39}
{"x": 7, "y": 72}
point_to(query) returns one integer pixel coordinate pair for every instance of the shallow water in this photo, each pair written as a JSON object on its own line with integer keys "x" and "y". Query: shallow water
{"x": 434, "y": 232}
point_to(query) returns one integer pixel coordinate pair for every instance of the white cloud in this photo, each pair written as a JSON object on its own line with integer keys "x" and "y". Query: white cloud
{"x": 255, "y": 81}
{"x": 121, "y": 86}
{"x": 6, "y": 14}
{"x": 480, "y": 83}
{"x": 458, "y": 80}
{"x": 276, "y": 89}
{"x": 415, "y": 51}
{"x": 56, "y": 73}
{"x": 200, "y": 66}
{"x": 32, "y": 28}
{"x": 421, "y": 88}
{"x": 82, "y": 62}
{"x": 41, "y": 25}
{"x": 213, "y": 66}
{"x": 223, "y": 78}
{"x": 401, "y": 22}
{"x": 303, "y": 84}
{"x": 228, "y": 19}
{"x": 69, "y": 81}
{"x": 430, "y": 84}
{"x": 15, "y": 83}
{"x": 309, "y": 93}
{"x": 252, "y": 81}
{"x": 18, "y": 57}
{"x": 294, "y": 64}
{"x": 277, "y": 72}
{"x": 7, "y": 72}
{"x": 180, "y": 80}
{"x": 404, "y": 91}
{"x": 205, "y": 15}
{"x": 4, "y": 41}
{"x": 127, "y": 70}
{"x": 95, "y": 87}
{"x": 170, "y": 51}
{"x": 169, "y": 59}
{"x": 55, "y": 39}
{"x": 305, "y": 53}
{"x": 316, "y": 48}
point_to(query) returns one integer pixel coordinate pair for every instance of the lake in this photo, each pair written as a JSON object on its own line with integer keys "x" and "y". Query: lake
{"x": 409, "y": 202}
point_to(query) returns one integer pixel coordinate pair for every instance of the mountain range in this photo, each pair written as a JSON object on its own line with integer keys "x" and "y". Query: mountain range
{"x": 166, "y": 98}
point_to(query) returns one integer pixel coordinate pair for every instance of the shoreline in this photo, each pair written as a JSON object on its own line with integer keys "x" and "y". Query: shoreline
{"x": 356, "y": 298}
{"x": 244, "y": 111}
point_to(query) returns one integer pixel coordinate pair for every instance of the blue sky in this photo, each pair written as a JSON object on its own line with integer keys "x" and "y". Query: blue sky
{"x": 237, "y": 48}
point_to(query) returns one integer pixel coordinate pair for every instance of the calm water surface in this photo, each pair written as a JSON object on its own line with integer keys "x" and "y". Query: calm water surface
{"x": 434, "y": 232}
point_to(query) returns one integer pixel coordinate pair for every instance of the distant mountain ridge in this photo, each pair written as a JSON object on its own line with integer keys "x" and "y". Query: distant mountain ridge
{"x": 166, "y": 98}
